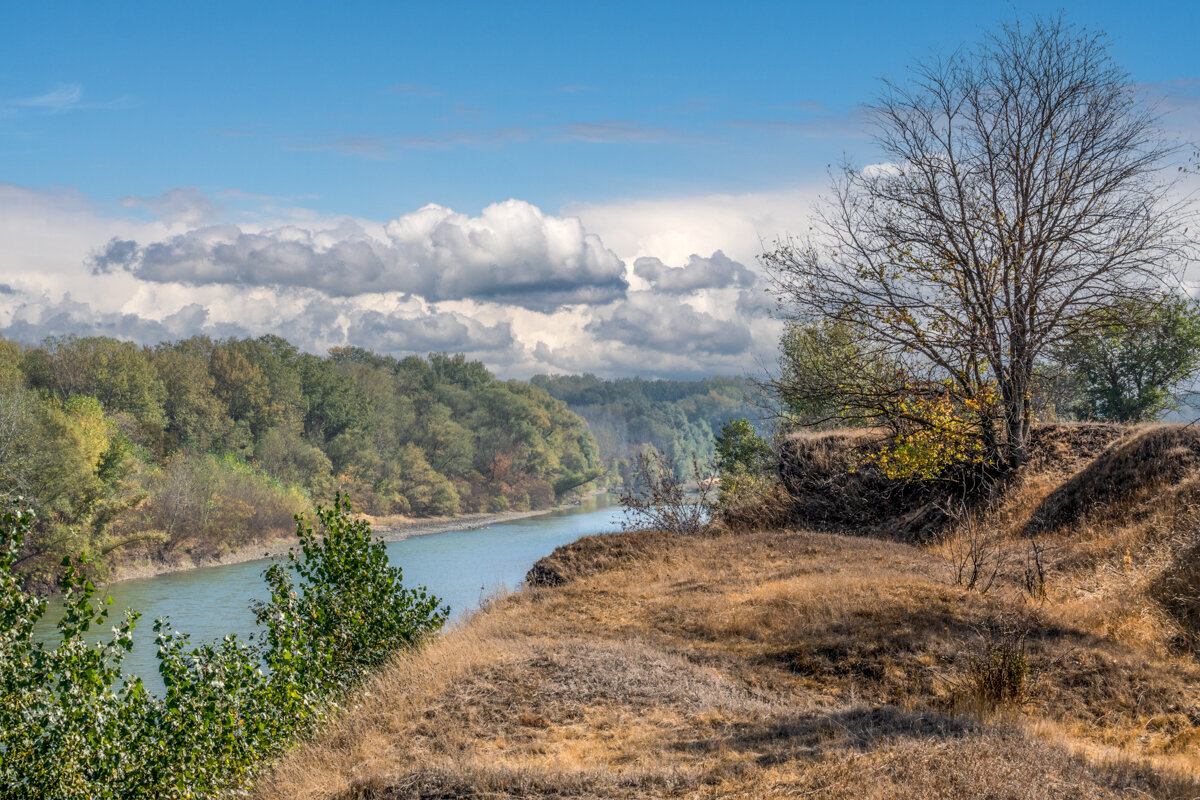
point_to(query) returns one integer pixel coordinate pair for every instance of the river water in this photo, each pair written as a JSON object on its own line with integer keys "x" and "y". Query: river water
{"x": 460, "y": 567}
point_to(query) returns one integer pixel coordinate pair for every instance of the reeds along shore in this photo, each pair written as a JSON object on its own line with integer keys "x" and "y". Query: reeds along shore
{"x": 785, "y": 662}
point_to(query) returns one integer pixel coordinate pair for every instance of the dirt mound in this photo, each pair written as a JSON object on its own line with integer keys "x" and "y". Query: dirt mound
{"x": 1066, "y": 447}
{"x": 1177, "y": 590}
{"x": 835, "y": 486}
{"x": 1130, "y": 472}
{"x": 593, "y": 554}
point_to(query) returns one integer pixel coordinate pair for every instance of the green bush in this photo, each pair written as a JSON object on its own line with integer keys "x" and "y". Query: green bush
{"x": 74, "y": 725}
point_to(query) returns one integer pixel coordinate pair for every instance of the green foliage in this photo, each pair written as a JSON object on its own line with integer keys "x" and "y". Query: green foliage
{"x": 73, "y": 725}
{"x": 744, "y": 462}
{"x": 351, "y": 609}
{"x": 740, "y": 448}
{"x": 1130, "y": 356}
{"x": 202, "y": 446}
{"x": 824, "y": 368}
{"x": 629, "y": 415}
{"x": 119, "y": 374}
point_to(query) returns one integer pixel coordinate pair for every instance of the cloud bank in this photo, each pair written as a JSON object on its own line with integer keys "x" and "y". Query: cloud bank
{"x": 523, "y": 290}
{"x": 511, "y": 253}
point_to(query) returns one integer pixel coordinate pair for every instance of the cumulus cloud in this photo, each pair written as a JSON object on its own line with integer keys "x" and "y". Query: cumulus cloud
{"x": 437, "y": 331}
{"x": 522, "y": 290}
{"x": 35, "y": 321}
{"x": 757, "y": 302}
{"x": 511, "y": 253}
{"x": 740, "y": 225}
{"x": 715, "y": 272}
{"x": 312, "y": 322}
{"x": 651, "y": 321}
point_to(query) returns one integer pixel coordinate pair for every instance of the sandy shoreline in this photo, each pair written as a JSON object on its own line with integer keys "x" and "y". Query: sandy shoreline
{"x": 389, "y": 529}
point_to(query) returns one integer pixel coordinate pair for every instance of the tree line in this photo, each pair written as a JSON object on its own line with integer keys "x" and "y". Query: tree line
{"x": 679, "y": 419}
{"x": 198, "y": 446}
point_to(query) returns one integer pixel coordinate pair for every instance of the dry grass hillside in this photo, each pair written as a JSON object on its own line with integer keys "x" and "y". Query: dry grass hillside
{"x": 794, "y": 663}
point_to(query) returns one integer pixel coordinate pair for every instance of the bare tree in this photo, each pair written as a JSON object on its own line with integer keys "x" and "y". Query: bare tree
{"x": 1024, "y": 188}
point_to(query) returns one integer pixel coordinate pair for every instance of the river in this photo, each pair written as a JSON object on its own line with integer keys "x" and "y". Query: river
{"x": 461, "y": 567}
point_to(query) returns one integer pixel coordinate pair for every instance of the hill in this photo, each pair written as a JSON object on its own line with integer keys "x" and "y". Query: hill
{"x": 794, "y": 662}
{"x": 194, "y": 448}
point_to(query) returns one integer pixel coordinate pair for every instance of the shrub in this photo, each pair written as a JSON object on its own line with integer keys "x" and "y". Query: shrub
{"x": 351, "y": 609}
{"x": 1000, "y": 670}
{"x": 73, "y": 725}
{"x": 206, "y": 504}
{"x": 659, "y": 499}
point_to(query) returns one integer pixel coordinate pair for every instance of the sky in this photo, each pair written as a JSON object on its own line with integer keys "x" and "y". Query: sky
{"x": 548, "y": 187}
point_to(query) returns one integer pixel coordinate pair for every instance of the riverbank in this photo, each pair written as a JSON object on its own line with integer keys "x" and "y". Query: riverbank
{"x": 389, "y": 529}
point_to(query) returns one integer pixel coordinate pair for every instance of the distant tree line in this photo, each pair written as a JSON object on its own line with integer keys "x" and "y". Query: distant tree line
{"x": 200, "y": 445}
{"x": 679, "y": 419}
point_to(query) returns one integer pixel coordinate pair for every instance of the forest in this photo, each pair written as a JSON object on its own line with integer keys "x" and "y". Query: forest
{"x": 197, "y": 447}
{"x": 678, "y": 418}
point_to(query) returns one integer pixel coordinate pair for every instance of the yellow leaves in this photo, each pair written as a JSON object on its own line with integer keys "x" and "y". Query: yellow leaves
{"x": 945, "y": 434}
{"x": 95, "y": 430}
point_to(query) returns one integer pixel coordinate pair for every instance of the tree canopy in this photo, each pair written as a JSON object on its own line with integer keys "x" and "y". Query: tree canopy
{"x": 202, "y": 445}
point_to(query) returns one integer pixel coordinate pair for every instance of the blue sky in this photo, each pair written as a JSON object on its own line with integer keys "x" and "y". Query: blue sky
{"x": 274, "y": 114}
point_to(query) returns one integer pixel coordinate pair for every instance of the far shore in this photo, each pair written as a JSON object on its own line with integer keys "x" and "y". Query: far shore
{"x": 389, "y": 529}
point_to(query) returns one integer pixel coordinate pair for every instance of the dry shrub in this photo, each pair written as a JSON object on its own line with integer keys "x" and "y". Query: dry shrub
{"x": 661, "y": 498}
{"x": 974, "y": 549}
{"x": 999, "y": 670}
{"x": 1134, "y": 470}
{"x": 769, "y": 506}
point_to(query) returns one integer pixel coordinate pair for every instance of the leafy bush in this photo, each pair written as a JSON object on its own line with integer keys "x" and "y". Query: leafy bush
{"x": 936, "y": 432}
{"x": 73, "y": 725}
{"x": 743, "y": 460}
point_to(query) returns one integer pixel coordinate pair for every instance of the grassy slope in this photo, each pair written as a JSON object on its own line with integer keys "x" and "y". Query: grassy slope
{"x": 785, "y": 664}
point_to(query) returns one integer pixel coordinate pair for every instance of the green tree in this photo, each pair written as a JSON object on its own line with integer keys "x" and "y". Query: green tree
{"x": 1127, "y": 361}
{"x": 196, "y": 417}
{"x": 333, "y": 404}
{"x": 829, "y": 375}
{"x": 119, "y": 374}
{"x": 740, "y": 448}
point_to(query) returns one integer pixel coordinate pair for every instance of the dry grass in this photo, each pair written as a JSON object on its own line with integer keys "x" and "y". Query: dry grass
{"x": 770, "y": 664}
{"x": 784, "y": 663}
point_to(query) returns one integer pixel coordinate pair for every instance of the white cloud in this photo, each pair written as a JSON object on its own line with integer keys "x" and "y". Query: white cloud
{"x": 522, "y": 290}
{"x": 511, "y": 253}
{"x": 673, "y": 228}
{"x": 61, "y": 98}
{"x": 651, "y": 321}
